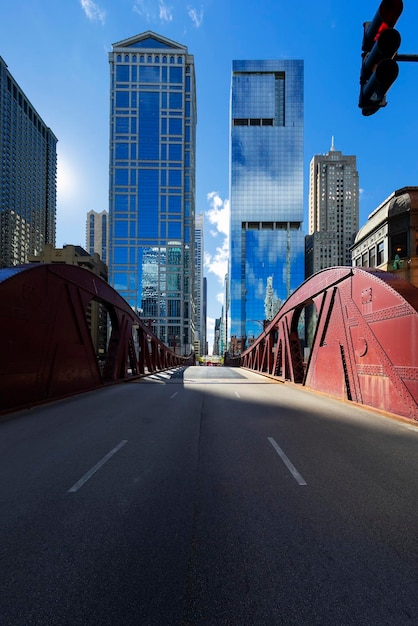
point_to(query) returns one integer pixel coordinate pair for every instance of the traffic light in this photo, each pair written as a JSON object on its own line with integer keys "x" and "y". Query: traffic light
{"x": 379, "y": 69}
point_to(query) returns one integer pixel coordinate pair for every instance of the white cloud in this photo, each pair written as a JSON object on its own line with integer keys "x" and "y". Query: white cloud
{"x": 166, "y": 14}
{"x": 195, "y": 16}
{"x": 93, "y": 11}
{"x": 218, "y": 263}
{"x": 145, "y": 10}
{"x": 153, "y": 12}
{"x": 218, "y": 215}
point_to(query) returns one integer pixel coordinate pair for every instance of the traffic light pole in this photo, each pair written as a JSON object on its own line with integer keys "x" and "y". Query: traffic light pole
{"x": 407, "y": 57}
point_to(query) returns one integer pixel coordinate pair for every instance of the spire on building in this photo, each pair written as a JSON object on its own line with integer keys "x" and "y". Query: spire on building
{"x": 332, "y": 143}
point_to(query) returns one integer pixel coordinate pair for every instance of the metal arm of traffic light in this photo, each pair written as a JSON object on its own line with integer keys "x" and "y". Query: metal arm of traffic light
{"x": 413, "y": 58}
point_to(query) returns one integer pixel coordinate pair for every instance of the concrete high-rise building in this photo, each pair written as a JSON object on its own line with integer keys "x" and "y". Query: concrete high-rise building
{"x": 152, "y": 183}
{"x": 97, "y": 234}
{"x": 200, "y": 314}
{"x": 333, "y": 210}
{"x": 205, "y": 315}
{"x": 28, "y": 173}
{"x": 266, "y": 189}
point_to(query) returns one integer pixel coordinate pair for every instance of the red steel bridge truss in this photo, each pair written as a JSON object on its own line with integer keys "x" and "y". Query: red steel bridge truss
{"x": 46, "y": 344}
{"x": 362, "y": 340}
{"x": 363, "y": 343}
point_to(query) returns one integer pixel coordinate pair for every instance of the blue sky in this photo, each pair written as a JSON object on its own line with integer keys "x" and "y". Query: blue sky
{"x": 57, "y": 52}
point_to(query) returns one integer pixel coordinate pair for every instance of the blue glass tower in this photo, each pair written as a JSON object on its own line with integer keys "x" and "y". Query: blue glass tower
{"x": 152, "y": 183}
{"x": 266, "y": 191}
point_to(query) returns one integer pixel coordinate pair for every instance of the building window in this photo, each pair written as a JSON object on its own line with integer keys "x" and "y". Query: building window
{"x": 399, "y": 246}
{"x": 176, "y": 75}
{"x": 380, "y": 253}
{"x": 372, "y": 257}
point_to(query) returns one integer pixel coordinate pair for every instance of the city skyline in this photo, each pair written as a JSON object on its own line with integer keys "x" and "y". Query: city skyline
{"x": 58, "y": 54}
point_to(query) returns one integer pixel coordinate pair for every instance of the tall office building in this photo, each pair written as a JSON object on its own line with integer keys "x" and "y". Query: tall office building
{"x": 333, "y": 210}
{"x": 97, "y": 234}
{"x": 152, "y": 183}
{"x": 200, "y": 317}
{"x": 28, "y": 172}
{"x": 205, "y": 315}
{"x": 217, "y": 337}
{"x": 266, "y": 189}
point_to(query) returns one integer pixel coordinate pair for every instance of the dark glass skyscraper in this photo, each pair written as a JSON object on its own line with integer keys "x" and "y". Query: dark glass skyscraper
{"x": 28, "y": 176}
{"x": 266, "y": 191}
{"x": 152, "y": 183}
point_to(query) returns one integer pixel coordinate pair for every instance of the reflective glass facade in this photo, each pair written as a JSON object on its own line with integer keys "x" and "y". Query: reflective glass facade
{"x": 266, "y": 190}
{"x": 152, "y": 183}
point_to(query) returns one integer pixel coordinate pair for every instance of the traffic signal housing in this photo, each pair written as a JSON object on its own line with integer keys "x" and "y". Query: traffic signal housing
{"x": 380, "y": 45}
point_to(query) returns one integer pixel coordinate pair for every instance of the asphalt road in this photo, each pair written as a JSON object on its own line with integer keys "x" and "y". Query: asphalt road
{"x": 207, "y": 496}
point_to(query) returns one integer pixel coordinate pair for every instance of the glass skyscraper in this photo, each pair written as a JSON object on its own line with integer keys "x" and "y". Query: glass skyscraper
{"x": 28, "y": 176}
{"x": 266, "y": 191}
{"x": 152, "y": 183}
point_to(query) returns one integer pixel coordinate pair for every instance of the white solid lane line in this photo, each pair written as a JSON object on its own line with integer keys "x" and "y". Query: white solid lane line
{"x": 98, "y": 465}
{"x": 292, "y": 469}
{"x": 174, "y": 395}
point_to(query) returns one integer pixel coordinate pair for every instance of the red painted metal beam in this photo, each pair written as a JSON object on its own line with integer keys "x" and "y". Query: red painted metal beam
{"x": 46, "y": 347}
{"x": 365, "y": 343}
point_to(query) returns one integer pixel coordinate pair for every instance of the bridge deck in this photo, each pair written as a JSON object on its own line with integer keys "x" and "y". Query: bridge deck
{"x": 207, "y": 496}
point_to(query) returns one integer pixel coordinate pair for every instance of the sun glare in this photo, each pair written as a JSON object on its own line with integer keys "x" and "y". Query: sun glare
{"x": 66, "y": 180}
